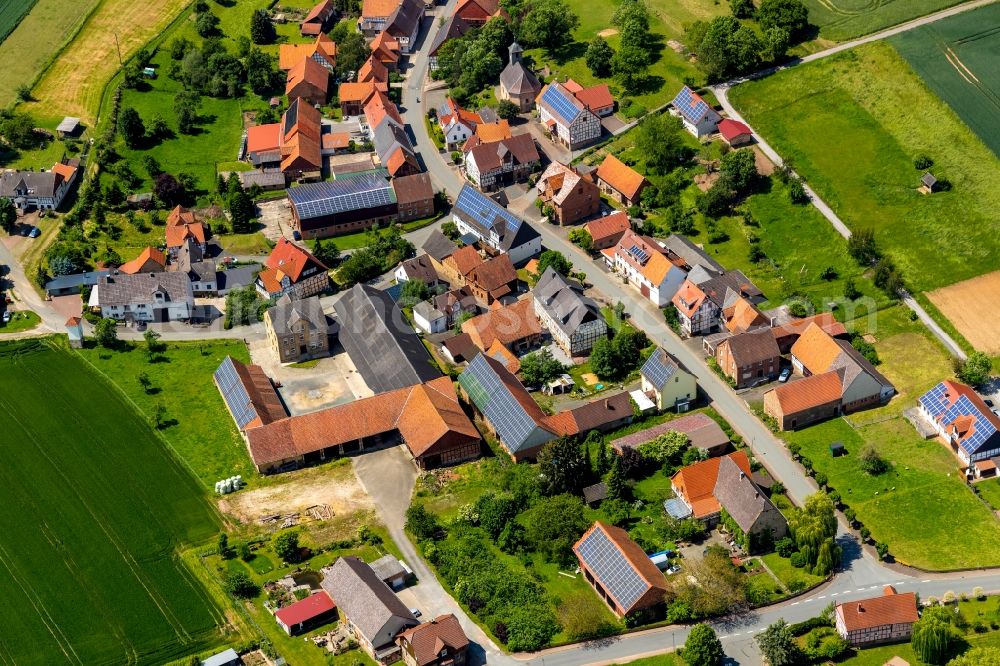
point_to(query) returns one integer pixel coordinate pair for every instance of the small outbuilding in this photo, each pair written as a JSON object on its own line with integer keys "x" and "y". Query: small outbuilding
{"x": 595, "y": 494}
{"x": 392, "y": 571}
{"x": 929, "y": 182}
{"x": 313, "y": 611}
{"x": 837, "y": 449}
{"x": 225, "y": 658}
{"x": 69, "y": 126}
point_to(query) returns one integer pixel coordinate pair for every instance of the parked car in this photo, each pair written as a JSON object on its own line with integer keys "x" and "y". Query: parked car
{"x": 6, "y": 316}
{"x": 296, "y": 235}
{"x": 415, "y": 612}
{"x": 785, "y": 374}
{"x": 25, "y": 229}
{"x": 35, "y": 232}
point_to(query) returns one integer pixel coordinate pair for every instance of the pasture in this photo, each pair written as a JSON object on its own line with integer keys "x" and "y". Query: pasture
{"x": 199, "y": 428}
{"x": 956, "y": 58}
{"x": 841, "y": 20}
{"x": 24, "y": 54}
{"x": 74, "y": 83}
{"x": 962, "y": 304}
{"x": 853, "y": 124}
{"x": 96, "y": 513}
{"x": 11, "y": 13}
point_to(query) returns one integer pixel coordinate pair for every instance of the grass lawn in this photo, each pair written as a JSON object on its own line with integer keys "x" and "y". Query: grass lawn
{"x": 244, "y": 244}
{"x": 99, "y": 512}
{"x": 792, "y": 578}
{"x": 24, "y": 55}
{"x": 41, "y": 158}
{"x": 199, "y": 428}
{"x": 921, "y": 508}
{"x": 840, "y": 20}
{"x": 659, "y": 660}
{"x": 22, "y": 320}
{"x": 852, "y": 124}
{"x": 989, "y": 490}
{"x": 669, "y": 70}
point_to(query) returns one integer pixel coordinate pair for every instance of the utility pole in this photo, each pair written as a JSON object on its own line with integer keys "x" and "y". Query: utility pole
{"x": 118, "y": 46}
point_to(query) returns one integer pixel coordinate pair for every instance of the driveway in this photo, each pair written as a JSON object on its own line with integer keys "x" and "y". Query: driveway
{"x": 389, "y": 477}
{"x": 276, "y": 216}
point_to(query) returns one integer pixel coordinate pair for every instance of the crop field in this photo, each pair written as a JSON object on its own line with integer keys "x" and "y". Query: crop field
{"x": 956, "y": 58}
{"x": 23, "y": 53}
{"x": 73, "y": 85}
{"x": 841, "y": 20}
{"x": 853, "y": 125}
{"x": 962, "y": 304}
{"x": 11, "y": 13}
{"x": 95, "y": 514}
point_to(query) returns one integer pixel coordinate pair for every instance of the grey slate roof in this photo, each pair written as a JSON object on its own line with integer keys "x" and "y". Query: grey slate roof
{"x": 439, "y": 246}
{"x": 362, "y": 596}
{"x": 420, "y": 268}
{"x": 387, "y": 567}
{"x": 287, "y": 312}
{"x": 263, "y": 178}
{"x": 516, "y": 78}
{"x": 753, "y": 347}
{"x": 724, "y": 289}
{"x": 427, "y": 311}
{"x": 383, "y": 346}
{"x": 37, "y": 183}
{"x": 454, "y": 27}
{"x": 388, "y": 135}
{"x": 564, "y": 301}
{"x": 76, "y": 280}
{"x": 740, "y": 496}
{"x": 236, "y": 277}
{"x": 121, "y": 289}
{"x": 691, "y": 253}
{"x": 190, "y": 261}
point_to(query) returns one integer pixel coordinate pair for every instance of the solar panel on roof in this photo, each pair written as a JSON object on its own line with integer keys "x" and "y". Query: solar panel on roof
{"x": 982, "y": 429}
{"x": 498, "y": 405}
{"x": 640, "y": 255}
{"x": 340, "y": 196}
{"x": 658, "y": 368}
{"x": 690, "y": 105}
{"x": 234, "y": 393}
{"x": 615, "y": 573}
{"x": 483, "y": 211}
{"x": 560, "y": 104}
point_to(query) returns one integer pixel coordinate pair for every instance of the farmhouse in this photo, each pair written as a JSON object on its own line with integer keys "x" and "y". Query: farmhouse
{"x": 838, "y": 380}
{"x": 439, "y": 247}
{"x": 885, "y": 619}
{"x": 494, "y": 226}
{"x": 695, "y": 486}
{"x": 249, "y": 395}
{"x": 440, "y": 642}
{"x": 292, "y": 270}
{"x": 313, "y": 611}
{"x": 373, "y": 613}
{"x": 605, "y": 232}
{"x": 741, "y": 315}
{"x": 393, "y": 148}
{"x": 403, "y": 24}
{"x": 460, "y": 263}
{"x": 496, "y": 164}
{"x": 567, "y": 118}
{"x": 308, "y": 80}
{"x": 646, "y": 264}
{"x": 757, "y": 522}
{"x": 619, "y": 181}
{"x": 345, "y": 205}
{"x": 749, "y": 358}
{"x": 317, "y": 21}
{"x": 788, "y": 333}
{"x": 150, "y": 260}
{"x": 700, "y": 305}
{"x": 702, "y": 431}
{"x": 201, "y": 272}
{"x": 667, "y": 383}
{"x": 182, "y": 225}
{"x": 419, "y": 268}
{"x": 323, "y": 51}
{"x": 457, "y": 124}
{"x": 493, "y": 279}
{"x": 960, "y": 417}
{"x": 442, "y": 311}
{"x": 293, "y": 145}
{"x": 697, "y": 116}
{"x": 373, "y": 71}
{"x": 41, "y": 190}
{"x": 297, "y": 330}
{"x": 571, "y": 195}
{"x": 376, "y": 109}
{"x": 374, "y": 16}
{"x": 414, "y": 197}
{"x": 156, "y": 297}
{"x": 518, "y": 84}
{"x": 386, "y": 350}
{"x": 479, "y": 12}
{"x": 574, "y": 320}
{"x": 386, "y": 50}
{"x": 426, "y": 417}
{"x": 353, "y": 96}
{"x": 619, "y": 570}
{"x": 514, "y": 326}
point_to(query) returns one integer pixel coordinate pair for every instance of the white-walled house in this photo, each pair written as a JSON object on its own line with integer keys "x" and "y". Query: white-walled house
{"x": 495, "y": 226}
{"x": 698, "y": 117}
{"x": 429, "y": 319}
{"x": 156, "y": 297}
{"x": 568, "y": 119}
{"x": 645, "y": 266}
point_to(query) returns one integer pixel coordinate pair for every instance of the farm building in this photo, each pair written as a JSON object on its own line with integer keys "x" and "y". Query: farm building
{"x": 64, "y": 285}
{"x": 605, "y": 232}
{"x": 702, "y": 431}
{"x": 885, "y": 619}
{"x": 619, "y": 181}
{"x": 960, "y": 417}
{"x": 305, "y": 614}
{"x": 695, "y": 484}
{"x": 574, "y": 320}
{"x": 392, "y": 571}
{"x": 318, "y": 19}
{"x": 735, "y": 133}
{"x": 292, "y": 270}
{"x": 619, "y": 570}
{"x": 571, "y": 195}
{"x": 749, "y": 508}
{"x": 496, "y": 164}
{"x": 249, "y": 395}
{"x": 567, "y": 118}
{"x": 345, "y": 205}
{"x": 148, "y": 297}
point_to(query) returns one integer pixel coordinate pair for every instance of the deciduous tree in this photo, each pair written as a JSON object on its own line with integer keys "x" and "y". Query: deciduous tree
{"x": 562, "y": 466}
{"x": 703, "y": 647}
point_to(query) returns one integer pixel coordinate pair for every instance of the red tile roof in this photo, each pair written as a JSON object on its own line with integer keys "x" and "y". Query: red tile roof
{"x": 261, "y": 138}
{"x": 309, "y": 72}
{"x": 596, "y": 97}
{"x": 177, "y": 234}
{"x": 688, "y": 298}
{"x": 305, "y": 609}
{"x": 136, "y": 265}
{"x": 429, "y": 639}
{"x": 809, "y": 392}
{"x": 890, "y": 608}
{"x": 620, "y": 176}
{"x": 464, "y": 259}
{"x": 730, "y": 129}
{"x": 508, "y": 324}
{"x": 378, "y": 8}
{"x": 634, "y": 555}
{"x": 615, "y": 224}
{"x": 697, "y": 483}
{"x": 291, "y": 260}
{"x": 373, "y": 70}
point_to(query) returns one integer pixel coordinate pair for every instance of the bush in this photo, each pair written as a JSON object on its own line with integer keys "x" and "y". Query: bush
{"x": 871, "y": 462}
{"x": 286, "y": 546}
{"x": 240, "y": 585}
{"x": 922, "y": 162}
{"x": 421, "y": 523}
{"x": 798, "y": 560}
{"x": 785, "y": 547}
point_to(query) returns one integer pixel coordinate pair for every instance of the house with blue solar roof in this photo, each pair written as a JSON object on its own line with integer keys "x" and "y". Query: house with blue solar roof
{"x": 668, "y": 384}
{"x": 494, "y": 226}
{"x": 698, "y": 117}
{"x": 962, "y": 419}
{"x": 342, "y": 206}
{"x": 567, "y": 119}
{"x": 621, "y": 573}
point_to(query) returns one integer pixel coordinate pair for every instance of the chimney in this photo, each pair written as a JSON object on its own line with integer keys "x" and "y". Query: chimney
{"x": 743, "y": 475}
{"x": 861, "y": 609}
